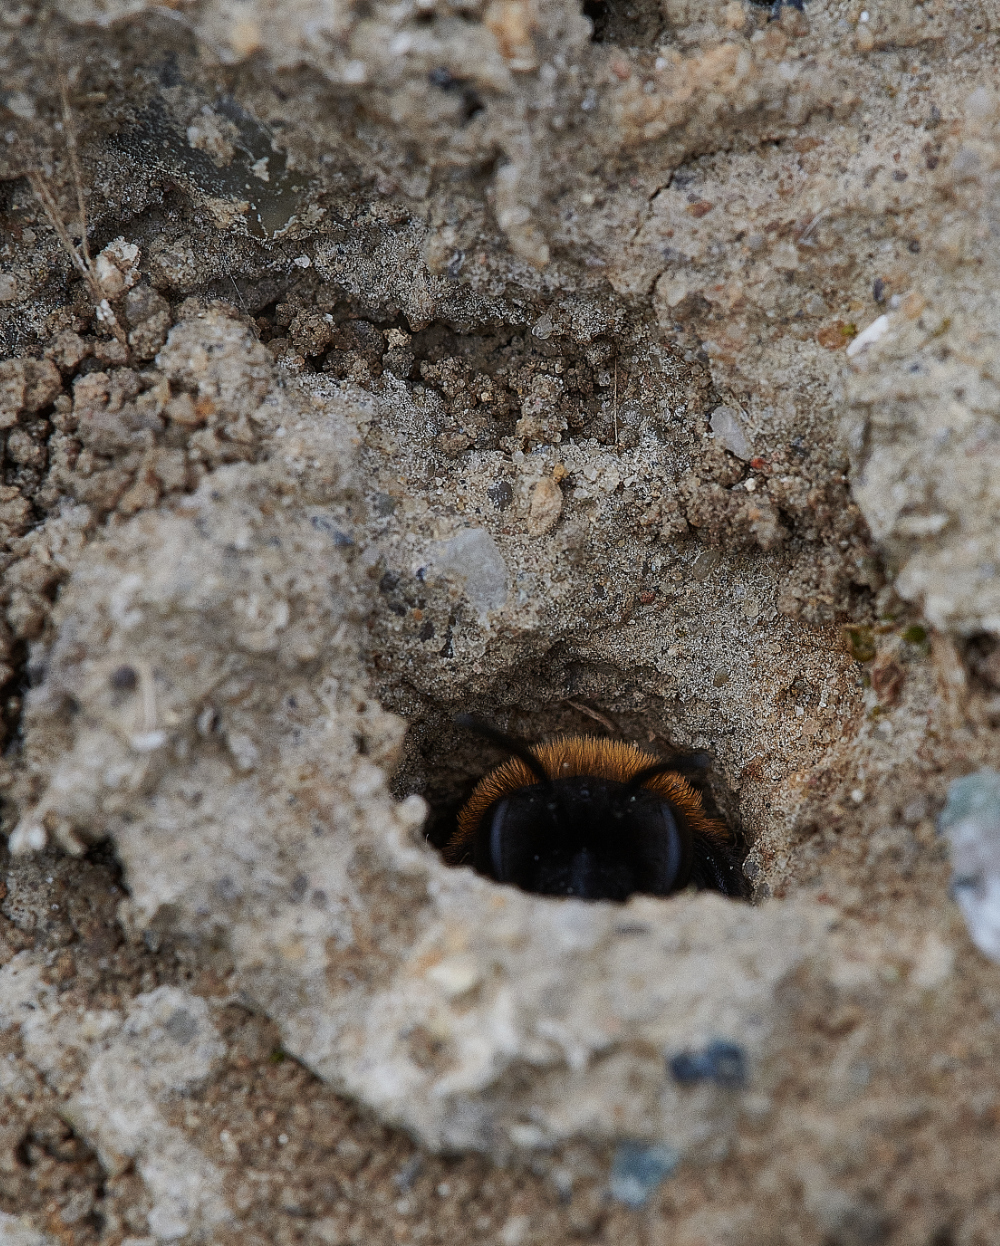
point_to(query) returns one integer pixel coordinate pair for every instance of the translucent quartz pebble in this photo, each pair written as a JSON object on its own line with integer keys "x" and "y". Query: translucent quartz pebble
{"x": 472, "y": 555}
{"x": 730, "y": 432}
{"x": 971, "y": 822}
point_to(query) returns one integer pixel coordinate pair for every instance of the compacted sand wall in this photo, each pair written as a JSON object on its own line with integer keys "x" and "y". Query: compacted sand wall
{"x": 630, "y": 370}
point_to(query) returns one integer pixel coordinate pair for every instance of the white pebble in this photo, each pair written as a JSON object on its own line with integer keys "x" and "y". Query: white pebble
{"x": 867, "y": 337}
{"x": 455, "y": 976}
{"x": 729, "y": 432}
{"x": 971, "y": 822}
{"x": 148, "y": 741}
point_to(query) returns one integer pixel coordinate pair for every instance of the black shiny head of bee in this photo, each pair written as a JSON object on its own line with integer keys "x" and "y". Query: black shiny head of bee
{"x": 594, "y": 819}
{"x": 589, "y": 837}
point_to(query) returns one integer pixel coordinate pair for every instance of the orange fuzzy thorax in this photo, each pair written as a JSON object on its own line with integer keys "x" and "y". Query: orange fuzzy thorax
{"x": 583, "y": 755}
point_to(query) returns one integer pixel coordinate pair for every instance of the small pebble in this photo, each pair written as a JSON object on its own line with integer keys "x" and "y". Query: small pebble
{"x": 473, "y": 555}
{"x": 407, "y": 1175}
{"x": 705, "y": 563}
{"x": 546, "y": 506}
{"x": 501, "y": 494}
{"x": 970, "y": 821}
{"x": 729, "y": 432}
{"x": 720, "y": 1061}
{"x": 124, "y": 679}
{"x": 868, "y": 337}
{"x": 514, "y": 1231}
{"x": 638, "y": 1169}
{"x": 20, "y": 104}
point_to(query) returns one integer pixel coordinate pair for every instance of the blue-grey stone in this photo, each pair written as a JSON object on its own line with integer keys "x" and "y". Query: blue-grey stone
{"x": 720, "y": 1061}
{"x": 970, "y": 820}
{"x": 638, "y": 1168}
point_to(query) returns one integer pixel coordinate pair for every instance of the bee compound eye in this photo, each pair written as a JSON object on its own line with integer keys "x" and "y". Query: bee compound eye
{"x": 497, "y": 844}
{"x": 502, "y": 846}
{"x": 675, "y": 846}
{"x": 506, "y": 845}
{"x": 661, "y": 847}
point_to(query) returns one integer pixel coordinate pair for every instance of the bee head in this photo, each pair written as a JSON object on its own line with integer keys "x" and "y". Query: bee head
{"x": 583, "y": 836}
{"x": 592, "y": 818}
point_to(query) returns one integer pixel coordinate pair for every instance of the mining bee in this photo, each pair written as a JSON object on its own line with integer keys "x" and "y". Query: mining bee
{"x": 594, "y": 818}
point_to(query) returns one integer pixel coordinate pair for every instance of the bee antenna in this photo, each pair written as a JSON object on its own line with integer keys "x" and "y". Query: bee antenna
{"x": 517, "y": 747}
{"x": 638, "y": 779}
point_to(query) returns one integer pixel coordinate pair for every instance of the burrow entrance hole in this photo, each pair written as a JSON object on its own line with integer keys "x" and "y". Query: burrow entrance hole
{"x": 556, "y": 696}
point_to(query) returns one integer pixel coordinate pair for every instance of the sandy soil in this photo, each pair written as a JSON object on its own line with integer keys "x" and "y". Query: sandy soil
{"x": 636, "y": 362}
